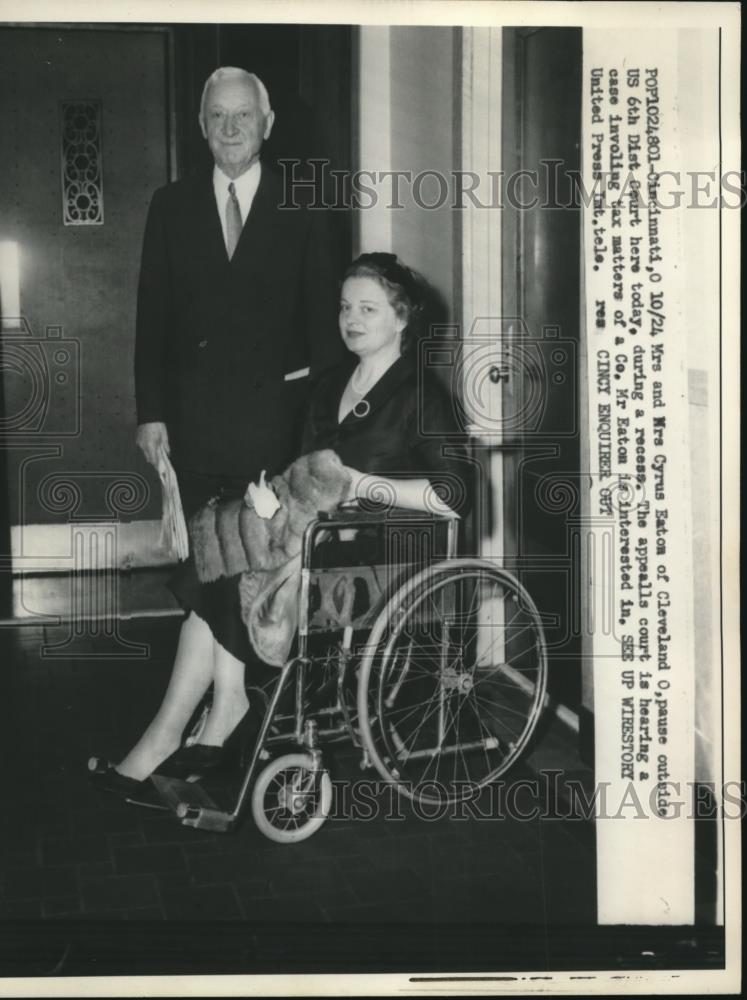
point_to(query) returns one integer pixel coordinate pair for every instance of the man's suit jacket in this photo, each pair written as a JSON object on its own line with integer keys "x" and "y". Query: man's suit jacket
{"x": 215, "y": 337}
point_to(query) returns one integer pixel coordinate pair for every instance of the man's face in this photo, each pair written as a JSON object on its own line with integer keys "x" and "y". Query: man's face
{"x": 234, "y": 125}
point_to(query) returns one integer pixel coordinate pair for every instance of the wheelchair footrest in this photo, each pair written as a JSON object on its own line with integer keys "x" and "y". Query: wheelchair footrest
{"x": 192, "y": 805}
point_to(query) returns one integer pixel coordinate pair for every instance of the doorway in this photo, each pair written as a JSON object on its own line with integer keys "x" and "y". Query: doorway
{"x": 131, "y": 96}
{"x": 85, "y": 115}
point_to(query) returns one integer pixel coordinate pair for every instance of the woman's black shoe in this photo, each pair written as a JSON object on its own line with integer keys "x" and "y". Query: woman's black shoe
{"x": 193, "y": 762}
{"x": 190, "y": 763}
{"x": 104, "y": 776}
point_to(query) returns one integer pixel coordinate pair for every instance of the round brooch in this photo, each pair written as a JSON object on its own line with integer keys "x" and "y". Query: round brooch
{"x": 362, "y": 408}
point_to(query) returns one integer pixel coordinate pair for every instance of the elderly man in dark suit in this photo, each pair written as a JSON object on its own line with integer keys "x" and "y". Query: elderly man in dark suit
{"x": 235, "y": 295}
{"x": 236, "y": 305}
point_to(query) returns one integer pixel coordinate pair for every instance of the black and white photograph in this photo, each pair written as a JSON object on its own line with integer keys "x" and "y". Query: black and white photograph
{"x": 369, "y": 498}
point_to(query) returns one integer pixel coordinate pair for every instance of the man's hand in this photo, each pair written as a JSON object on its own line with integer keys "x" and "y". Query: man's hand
{"x": 153, "y": 440}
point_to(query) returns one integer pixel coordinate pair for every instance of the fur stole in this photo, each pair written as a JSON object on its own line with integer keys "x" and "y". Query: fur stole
{"x": 229, "y": 538}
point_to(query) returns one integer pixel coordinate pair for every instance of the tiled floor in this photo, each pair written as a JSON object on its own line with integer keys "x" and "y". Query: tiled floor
{"x": 76, "y": 863}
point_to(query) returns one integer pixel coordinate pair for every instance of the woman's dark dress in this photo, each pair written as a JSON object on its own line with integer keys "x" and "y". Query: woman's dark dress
{"x": 407, "y": 428}
{"x": 217, "y": 603}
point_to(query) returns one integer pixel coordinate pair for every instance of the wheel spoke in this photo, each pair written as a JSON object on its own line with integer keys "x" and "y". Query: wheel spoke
{"x": 429, "y": 715}
{"x": 443, "y": 686}
{"x": 480, "y": 724}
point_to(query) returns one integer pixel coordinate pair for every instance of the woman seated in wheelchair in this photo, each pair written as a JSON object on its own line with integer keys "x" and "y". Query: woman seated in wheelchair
{"x": 387, "y": 418}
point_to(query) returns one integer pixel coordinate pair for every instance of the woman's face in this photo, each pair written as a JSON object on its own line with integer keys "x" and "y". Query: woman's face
{"x": 368, "y": 323}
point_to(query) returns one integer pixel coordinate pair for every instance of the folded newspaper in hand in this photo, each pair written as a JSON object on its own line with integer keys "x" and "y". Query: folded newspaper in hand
{"x": 174, "y": 536}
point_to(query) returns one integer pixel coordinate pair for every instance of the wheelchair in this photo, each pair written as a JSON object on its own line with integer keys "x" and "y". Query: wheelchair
{"x": 434, "y": 666}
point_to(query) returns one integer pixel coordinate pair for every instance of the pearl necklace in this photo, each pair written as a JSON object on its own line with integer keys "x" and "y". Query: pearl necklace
{"x": 354, "y": 387}
{"x": 362, "y": 407}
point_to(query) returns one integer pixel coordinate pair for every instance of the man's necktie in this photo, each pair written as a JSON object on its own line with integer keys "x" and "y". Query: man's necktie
{"x": 233, "y": 221}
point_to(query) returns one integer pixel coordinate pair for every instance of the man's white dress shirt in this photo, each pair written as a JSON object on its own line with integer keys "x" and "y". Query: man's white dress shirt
{"x": 246, "y": 187}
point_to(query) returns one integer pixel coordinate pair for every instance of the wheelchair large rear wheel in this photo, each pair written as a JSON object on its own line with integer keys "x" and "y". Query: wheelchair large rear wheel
{"x": 453, "y": 680}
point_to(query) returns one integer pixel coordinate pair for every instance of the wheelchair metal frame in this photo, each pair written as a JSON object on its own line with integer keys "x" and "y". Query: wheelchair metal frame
{"x": 191, "y": 803}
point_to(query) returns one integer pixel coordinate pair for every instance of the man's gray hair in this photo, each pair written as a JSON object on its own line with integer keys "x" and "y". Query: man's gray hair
{"x": 234, "y": 73}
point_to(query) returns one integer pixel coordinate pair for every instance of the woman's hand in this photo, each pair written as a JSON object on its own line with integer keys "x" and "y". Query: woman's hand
{"x": 356, "y": 478}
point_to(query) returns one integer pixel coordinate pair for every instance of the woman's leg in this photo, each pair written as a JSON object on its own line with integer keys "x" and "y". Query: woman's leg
{"x": 230, "y": 702}
{"x": 193, "y": 671}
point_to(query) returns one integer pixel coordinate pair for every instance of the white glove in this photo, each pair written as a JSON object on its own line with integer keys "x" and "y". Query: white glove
{"x": 262, "y": 498}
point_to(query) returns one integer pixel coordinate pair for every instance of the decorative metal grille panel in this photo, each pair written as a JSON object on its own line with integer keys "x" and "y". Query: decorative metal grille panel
{"x": 82, "y": 181}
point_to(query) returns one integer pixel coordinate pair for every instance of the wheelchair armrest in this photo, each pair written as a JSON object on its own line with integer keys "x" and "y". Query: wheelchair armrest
{"x": 351, "y": 513}
{"x": 353, "y": 516}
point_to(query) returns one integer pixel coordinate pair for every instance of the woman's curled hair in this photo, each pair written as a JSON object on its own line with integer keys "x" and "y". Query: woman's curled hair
{"x": 403, "y": 288}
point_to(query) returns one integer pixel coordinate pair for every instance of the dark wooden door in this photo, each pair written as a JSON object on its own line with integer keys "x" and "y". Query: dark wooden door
{"x": 67, "y": 414}
{"x": 85, "y": 123}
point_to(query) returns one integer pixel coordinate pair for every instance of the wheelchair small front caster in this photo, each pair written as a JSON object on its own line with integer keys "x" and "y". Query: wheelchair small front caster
{"x": 291, "y": 798}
